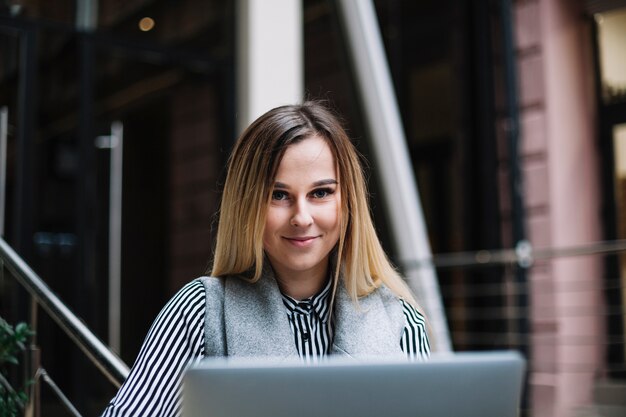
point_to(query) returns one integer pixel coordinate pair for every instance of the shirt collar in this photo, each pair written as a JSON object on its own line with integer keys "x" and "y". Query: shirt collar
{"x": 319, "y": 303}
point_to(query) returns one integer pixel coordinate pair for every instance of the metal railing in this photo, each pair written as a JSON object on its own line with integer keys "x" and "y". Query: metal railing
{"x": 524, "y": 254}
{"x": 571, "y": 327}
{"x": 109, "y": 364}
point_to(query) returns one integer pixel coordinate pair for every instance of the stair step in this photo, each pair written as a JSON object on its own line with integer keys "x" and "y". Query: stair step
{"x": 610, "y": 393}
{"x": 601, "y": 411}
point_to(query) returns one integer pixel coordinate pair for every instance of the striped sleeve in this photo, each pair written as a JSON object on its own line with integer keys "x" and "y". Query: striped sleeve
{"x": 175, "y": 340}
{"x": 414, "y": 341}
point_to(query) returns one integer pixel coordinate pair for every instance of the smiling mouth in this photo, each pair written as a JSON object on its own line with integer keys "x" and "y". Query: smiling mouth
{"x": 301, "y": 241}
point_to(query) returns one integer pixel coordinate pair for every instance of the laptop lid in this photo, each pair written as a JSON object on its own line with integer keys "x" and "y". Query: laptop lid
{"x": 476, "y": 384}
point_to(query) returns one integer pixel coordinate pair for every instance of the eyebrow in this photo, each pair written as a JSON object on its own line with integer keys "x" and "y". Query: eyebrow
{"x": 329, "y": 181}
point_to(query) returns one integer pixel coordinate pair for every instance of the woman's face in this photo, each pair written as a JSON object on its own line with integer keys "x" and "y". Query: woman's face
{"x": 302, "y": 225}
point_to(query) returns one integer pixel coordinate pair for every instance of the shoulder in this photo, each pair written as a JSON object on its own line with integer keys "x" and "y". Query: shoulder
{"x": 188, "y": 302}
{"x": 412, "y": 314}
{"x": 210, "y": 282}
{"x": 189, "y": 293}
{"x": 213, "y": 288}
{"x": 386, "y": 296}
{"x": 415, "y": 341}
{"x": 383, "y": 299}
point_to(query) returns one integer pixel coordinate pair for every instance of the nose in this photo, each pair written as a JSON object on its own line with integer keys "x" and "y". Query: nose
{"x": 302, "y": 216}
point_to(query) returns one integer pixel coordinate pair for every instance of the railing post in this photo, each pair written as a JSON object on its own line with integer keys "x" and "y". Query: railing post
{"x": 115, "y": 142}
{"x": 33, "y": 363}
{"x": 4, "y": 128}
{"x": 33, "y": 406}
{"x": 106, "y": 361}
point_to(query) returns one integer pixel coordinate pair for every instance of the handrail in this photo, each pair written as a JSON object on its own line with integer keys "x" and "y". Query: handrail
{"x": 7, "y": 386}
{"x": 4, "y": 127}
{"x": 43, "y": 374}
{"x": 104, "y": 359}
{"x": 524, "y": 255}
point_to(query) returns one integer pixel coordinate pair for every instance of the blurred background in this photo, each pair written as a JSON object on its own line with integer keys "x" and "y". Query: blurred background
{"x": 514, "y": 115}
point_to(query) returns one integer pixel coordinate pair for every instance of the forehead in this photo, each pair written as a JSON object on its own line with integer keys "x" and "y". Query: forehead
{"x": 313, "y": 153}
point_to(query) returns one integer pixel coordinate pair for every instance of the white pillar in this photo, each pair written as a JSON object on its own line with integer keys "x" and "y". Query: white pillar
{"x": 269, "y": 56}
{"x": 87, "y": 15}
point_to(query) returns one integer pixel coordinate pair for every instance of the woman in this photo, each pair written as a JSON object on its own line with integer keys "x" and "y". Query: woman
{"x": 298, "y": 269}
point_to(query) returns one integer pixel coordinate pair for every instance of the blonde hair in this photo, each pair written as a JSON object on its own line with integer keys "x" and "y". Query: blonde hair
{"x": 252, "y": 167}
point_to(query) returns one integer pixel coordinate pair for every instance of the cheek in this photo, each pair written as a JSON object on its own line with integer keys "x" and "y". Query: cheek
{"x": 267, "y": 238}
{"x": 272, "y": 223}
{"x": 330, "y": 217}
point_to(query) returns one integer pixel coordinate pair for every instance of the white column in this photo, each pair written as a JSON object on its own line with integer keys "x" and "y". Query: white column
{"x": 269, "y": 56}
{"x": 87, "y": 14}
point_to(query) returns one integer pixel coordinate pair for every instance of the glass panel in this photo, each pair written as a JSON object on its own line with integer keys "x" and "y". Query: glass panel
{"x": 445, "y": 96}
{"x": 173, "y": 92}
{"x": 9, "y": 81}
{"x": 62, "y": 11}
{"x": 201, "y": 24}
{"x": 611, "y": 35}
{"x": 619, "y": 146}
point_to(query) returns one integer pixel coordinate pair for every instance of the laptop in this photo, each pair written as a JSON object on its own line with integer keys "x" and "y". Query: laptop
{"x": 460, "y": 385}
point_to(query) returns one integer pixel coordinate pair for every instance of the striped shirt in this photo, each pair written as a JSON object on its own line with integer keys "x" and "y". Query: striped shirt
{"x": 313, "y": 331}
{"x": 176, "y": 340}
{"x": 310, "y": 325}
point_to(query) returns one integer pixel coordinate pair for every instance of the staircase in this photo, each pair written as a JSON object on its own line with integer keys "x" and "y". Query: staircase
{"x": 609, "y": 400}
{"x": 111, "y": 367}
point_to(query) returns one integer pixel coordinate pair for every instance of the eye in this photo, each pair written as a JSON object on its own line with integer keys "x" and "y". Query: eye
{"x": 322, "y": 192}
{"x": 279, "y": 195}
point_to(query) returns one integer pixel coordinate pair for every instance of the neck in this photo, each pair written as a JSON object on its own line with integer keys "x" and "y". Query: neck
{"x": 301, "y": 285}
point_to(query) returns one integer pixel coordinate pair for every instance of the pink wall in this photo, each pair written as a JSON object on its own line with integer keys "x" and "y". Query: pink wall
{"x": 562, "y": 192}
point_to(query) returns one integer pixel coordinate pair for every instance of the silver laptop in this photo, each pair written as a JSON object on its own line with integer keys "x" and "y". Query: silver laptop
{"x": 460, "y": 385}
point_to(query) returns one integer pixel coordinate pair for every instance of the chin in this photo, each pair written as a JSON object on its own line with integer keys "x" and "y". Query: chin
{"x": 301, "y": 266}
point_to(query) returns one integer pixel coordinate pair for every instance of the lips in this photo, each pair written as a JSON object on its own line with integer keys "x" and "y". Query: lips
{"x": 301, "y": 241}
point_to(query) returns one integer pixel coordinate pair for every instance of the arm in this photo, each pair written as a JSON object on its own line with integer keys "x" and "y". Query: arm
{"x": 175, "y": 340}
{"x": 414, "y": 340}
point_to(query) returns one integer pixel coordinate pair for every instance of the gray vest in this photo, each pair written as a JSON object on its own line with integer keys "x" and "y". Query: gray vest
{"x": 244, "y": 319}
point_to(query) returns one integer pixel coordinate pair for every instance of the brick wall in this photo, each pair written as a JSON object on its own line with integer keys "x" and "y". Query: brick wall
{"x": 554, "y": 63}
{"x": 196, "y": 162}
